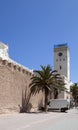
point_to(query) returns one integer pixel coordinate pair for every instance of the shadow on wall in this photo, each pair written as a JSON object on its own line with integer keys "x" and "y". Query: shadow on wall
{"x": 26, "y": 105}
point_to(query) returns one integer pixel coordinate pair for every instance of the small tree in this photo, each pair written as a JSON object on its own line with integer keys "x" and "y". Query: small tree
{"x": 46, "y": 80}
{"x": 74, "y": 90}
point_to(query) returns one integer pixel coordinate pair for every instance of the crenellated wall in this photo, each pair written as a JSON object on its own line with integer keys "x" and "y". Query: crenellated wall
{"x": 14, "y": 87}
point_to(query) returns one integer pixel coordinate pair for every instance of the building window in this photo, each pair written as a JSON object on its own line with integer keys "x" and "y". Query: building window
{"x": 60, "y": 67}
{"x": 64, "y": 59}
{"x": 56, "y": 59}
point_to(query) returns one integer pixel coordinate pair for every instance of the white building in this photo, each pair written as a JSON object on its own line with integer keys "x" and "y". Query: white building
{"x": 4, "y": 51}
{"x": 62, "y": 65}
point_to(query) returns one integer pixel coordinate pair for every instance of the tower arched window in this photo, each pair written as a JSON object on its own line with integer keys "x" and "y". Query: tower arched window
{"x": 60, "y": 67}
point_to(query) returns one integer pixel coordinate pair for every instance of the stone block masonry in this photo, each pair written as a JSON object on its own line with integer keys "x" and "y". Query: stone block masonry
{"x": 14, "y": 87}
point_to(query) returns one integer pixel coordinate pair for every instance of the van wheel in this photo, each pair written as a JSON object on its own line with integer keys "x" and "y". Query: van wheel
{"x": 62, "y": 110}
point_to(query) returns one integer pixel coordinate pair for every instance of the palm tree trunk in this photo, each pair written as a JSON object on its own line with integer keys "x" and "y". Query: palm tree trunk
{"x": 46, "y": 100}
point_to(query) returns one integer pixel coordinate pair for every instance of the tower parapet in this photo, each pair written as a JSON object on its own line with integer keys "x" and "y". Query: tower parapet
{"x": 61, "y": 45}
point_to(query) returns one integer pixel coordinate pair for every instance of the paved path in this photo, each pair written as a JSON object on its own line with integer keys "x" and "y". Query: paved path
{"x": 40, "y": 121}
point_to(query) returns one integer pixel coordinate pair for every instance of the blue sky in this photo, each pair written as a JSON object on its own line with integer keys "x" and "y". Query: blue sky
{"x": 32, "y": 27}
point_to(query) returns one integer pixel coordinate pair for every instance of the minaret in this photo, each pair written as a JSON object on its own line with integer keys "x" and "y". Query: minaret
{"x": 62, "y": 60}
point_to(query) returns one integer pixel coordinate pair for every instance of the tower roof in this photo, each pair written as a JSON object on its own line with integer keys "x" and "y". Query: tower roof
{"x": 61, "y": 45}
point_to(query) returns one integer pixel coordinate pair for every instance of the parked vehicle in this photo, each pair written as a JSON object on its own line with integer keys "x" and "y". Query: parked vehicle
{"x": 58, "y": 104}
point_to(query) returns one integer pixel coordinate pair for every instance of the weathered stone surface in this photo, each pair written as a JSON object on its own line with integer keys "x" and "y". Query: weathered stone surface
{"x": 14, "y": 88}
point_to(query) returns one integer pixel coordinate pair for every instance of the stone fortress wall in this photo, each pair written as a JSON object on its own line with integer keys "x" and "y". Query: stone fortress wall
{"x": 14, "y": 87}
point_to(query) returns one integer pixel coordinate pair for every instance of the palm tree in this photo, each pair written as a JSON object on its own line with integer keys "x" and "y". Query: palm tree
{"x": 74, "y": 90}
{"x": 46, "y": 80}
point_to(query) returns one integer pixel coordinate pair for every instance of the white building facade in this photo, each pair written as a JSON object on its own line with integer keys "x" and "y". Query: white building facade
{"x": 4, "y": 51}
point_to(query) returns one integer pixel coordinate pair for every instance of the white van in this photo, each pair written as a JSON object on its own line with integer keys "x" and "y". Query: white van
{"x": 58, "y": 104}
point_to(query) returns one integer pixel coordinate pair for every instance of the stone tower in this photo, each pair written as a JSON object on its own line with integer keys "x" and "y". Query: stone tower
{"x": 62, "y": 60}
{"x": 62, "y": 65}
